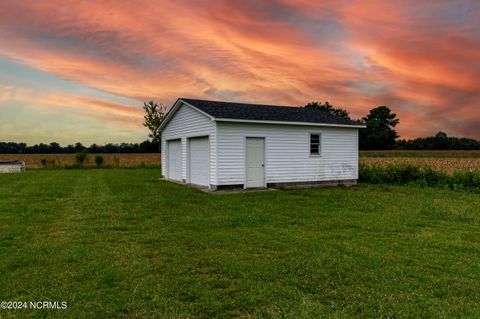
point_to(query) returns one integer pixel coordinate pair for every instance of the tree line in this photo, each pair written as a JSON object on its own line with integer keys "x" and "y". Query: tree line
{"x": 438, "y": 142}
{"x": 55, "y": 148}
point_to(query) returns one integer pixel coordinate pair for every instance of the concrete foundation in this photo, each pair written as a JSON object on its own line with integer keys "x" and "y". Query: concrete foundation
{"x": 317, "y": 184}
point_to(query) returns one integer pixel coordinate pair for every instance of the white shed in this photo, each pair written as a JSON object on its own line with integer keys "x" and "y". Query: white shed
{"x": 12, "y": 166}
{"x": 235, "y": 145}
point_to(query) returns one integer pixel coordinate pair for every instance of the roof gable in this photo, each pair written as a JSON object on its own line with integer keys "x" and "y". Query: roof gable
{"x": 176, "y": 106}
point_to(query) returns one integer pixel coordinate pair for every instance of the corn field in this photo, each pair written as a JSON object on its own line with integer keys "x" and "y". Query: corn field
{"x": 447, "y": 165}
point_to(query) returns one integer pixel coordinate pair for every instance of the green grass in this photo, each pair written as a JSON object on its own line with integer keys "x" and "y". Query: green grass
{"x": 122, "y": 244}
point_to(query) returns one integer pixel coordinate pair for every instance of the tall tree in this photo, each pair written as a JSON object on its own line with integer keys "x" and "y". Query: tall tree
{"x": 327, "y": 107}
{"x": 380, "y": 133}
{"x": 54, "y": 147}
{"x": 441, "y": 141}
{"x": 155, "y": 114}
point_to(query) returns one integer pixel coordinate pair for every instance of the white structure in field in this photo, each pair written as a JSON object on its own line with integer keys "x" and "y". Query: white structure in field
{"x": 222, "y": 144}
{"x": 14, "y": 166}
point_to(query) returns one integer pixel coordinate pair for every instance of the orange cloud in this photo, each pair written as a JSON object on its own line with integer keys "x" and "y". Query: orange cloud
{"x": 421, "y": 59}
{"x": 6, "y": 92}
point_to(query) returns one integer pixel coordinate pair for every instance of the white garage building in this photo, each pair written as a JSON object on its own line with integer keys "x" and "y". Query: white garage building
{"x": 232, "y": 145}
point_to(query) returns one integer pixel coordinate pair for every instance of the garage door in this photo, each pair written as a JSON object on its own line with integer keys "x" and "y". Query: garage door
{"x": 175, "y": 160}
{"x": 199, "y": 161}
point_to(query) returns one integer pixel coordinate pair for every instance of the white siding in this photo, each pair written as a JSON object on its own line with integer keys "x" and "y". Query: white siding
{"x": 188, "y": 122}
{"x": 288, "y": 153}
{"x": 12, "y": 167}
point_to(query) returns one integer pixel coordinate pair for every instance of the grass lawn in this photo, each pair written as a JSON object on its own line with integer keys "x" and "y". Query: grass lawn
{"x": 121, "y": 243}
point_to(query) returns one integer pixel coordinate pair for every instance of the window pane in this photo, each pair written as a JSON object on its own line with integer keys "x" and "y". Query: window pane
{"x": 315, "y": 144}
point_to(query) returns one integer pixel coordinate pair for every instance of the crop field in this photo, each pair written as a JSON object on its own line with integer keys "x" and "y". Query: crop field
{"x": 61, "y": 160}
{"x": 413, "y": 153}
{"x": 121, "y": 243}
{"x": 444, "y": 164}
{"x": 447, "y": 161}
{"x": 443, "y": 161}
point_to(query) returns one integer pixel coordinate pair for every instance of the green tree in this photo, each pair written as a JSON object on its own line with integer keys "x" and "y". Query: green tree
{"x": 380, "y": 133}
{"x": 154, "y": 115}
{"x": 328, "y": 108}
{"x": 441, "y": 141}
{"x": 54, "y": 147}
{"x": 78, "y": 147}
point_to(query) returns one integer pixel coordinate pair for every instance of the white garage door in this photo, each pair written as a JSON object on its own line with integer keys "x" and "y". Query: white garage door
{"x": 175, "y": 160}
{"x": 199, "y": 161}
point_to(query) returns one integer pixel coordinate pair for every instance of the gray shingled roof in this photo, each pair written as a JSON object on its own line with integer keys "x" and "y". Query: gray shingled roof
{"x": 261, "y": 112}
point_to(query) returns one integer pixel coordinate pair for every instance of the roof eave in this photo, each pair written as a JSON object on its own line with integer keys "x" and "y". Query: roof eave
{"x": 289, "y": 123}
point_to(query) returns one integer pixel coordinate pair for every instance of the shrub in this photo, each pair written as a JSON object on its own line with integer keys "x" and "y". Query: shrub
{"x": 116, "y": 161}
{"x": 401, "y": 174}
{"x": 47, "y": 163}
{"x": 99, "y": 160}
{"x": 81, "y": 158}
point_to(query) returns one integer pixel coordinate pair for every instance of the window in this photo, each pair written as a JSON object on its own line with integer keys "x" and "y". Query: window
{"x": 315, "y": 145}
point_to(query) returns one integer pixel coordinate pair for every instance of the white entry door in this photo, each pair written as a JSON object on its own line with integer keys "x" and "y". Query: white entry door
{"x": 175, "y": 160}
{"x": 199, "y": 161}
{"x": 255, "y": 162}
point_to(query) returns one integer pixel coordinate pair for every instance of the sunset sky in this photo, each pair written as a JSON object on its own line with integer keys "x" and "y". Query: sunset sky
{"x": 80, "y": 70}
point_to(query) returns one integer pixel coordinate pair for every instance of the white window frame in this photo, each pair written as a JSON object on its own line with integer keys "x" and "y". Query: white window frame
{"x": 319, "y": 144}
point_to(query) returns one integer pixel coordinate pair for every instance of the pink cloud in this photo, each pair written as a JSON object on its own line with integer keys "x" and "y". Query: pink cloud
{"x": 420, "y": 59}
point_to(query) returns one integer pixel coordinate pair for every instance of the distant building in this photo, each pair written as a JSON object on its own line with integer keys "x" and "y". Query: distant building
{"x": 235, "y": 145}
{"x": 14, "y": 166}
